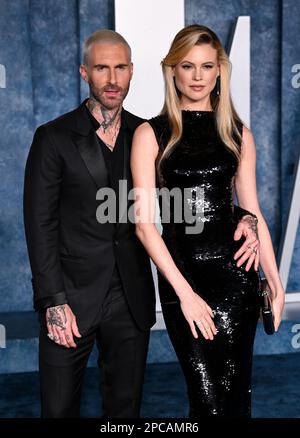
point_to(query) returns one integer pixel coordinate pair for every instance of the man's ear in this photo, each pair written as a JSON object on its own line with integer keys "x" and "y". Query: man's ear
{"x": 131, "y": 70}
{"x": 83, "y": 72}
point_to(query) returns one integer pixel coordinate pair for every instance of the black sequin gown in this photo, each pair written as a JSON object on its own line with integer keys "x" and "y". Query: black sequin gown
{"x": 218, "y": 372}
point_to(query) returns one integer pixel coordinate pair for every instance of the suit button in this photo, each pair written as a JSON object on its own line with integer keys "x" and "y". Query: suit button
{"x": 116, "y": 242}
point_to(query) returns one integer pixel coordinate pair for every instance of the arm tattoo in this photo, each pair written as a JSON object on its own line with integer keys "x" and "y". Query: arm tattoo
{"x": 57, "y": 316}
{"x": 251, "y": 222}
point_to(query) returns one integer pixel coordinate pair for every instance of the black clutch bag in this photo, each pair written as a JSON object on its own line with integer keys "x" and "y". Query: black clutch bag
{"x": 266, "y": 307}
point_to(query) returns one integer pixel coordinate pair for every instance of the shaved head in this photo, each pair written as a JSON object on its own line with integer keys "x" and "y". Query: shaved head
{"x": 103, "y": 36}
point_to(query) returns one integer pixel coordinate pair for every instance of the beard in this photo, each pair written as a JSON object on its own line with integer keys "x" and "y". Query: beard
{"x": 109, "y": 102}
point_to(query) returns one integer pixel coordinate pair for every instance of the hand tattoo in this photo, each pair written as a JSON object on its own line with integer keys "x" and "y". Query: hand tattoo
{"x": 57, "y": 316}
{"x": 251, "y": 221}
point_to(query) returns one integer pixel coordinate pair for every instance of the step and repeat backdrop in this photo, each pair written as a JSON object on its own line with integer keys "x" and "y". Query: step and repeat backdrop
{"x": 40, "y": 53}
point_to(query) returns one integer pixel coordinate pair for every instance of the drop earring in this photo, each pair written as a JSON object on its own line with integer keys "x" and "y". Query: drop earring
{"x": 218, "y": 85}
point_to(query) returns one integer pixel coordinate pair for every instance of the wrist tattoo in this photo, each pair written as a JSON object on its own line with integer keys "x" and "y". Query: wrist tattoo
{"x": 57, "y": 316}
{"x": 251, "y": 221}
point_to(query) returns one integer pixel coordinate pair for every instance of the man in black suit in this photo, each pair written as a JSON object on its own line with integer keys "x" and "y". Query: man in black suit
{"x": 91, "y": 279}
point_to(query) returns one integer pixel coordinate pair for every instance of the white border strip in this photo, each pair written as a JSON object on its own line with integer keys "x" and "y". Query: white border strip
{"x": 149, "y": 27}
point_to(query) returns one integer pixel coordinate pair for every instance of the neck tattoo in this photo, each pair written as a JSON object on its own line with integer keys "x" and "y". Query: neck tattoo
{"x": 106, "y": 118}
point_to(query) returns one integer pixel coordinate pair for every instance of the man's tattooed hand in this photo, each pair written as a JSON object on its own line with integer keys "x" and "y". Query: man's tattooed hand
{"x": 62, "y": 325}
{"x": 57, "y": 316}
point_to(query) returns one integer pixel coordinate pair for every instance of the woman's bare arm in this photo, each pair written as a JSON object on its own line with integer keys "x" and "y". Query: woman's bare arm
{"x": 245, "y": 186}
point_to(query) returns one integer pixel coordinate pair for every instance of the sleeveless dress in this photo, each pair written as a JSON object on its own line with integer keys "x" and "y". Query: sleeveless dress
{"x": 217, "y": 372}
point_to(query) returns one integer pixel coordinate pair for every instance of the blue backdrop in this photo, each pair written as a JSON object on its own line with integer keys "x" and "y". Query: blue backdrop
{"x": 40, "y": 48}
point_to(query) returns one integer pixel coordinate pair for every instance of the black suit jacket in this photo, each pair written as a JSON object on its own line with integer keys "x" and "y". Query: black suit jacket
{"x": 71, "y": 254}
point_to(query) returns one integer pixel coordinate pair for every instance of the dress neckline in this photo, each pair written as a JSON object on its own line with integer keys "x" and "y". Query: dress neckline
{"x": 196, "y": 113}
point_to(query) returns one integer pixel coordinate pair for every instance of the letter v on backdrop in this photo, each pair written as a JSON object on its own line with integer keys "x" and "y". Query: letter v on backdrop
{"x": 150, "y": 34}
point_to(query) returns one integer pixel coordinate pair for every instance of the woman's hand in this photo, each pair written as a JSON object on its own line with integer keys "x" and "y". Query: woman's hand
{"x": 249, "y": 251}
{"x": 277, "y": 299}
{"x": 196, "y": 311}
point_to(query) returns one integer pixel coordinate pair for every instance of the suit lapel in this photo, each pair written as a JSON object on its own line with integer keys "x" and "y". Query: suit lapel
{"x": 125, "y": 186}
{"x": 85, "y": 138}
{"x": 92, "y": 155}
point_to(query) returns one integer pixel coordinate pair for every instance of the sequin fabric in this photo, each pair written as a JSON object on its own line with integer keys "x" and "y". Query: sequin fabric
{"x": 218, "y": 372}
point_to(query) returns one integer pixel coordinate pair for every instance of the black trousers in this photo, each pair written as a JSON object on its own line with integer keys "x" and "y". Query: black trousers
{"x": 122, "y": 360}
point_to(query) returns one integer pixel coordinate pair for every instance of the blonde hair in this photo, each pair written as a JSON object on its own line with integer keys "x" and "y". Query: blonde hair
{"x": 102, "y": 36}
{"x": 226, "y": 116}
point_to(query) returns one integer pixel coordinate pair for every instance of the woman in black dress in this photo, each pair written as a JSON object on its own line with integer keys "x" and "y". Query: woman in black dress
{"x": 199, "y": 146}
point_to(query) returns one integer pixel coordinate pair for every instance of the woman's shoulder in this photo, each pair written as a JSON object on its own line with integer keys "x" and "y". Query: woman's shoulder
{"x": 161, "y": 127}
{"x": 245, "y": 132}
{"x": 237, "y": 133}
{"x": 160, "y": 120}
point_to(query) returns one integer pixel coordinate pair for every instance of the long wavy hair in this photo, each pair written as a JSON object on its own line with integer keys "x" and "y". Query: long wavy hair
{"x": 226, "y": 116}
